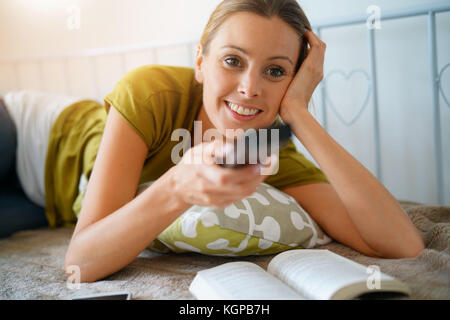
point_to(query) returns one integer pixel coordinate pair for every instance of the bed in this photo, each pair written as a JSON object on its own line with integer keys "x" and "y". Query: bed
{"x": 31, "y": 261}
{"x": 31, "y": 264}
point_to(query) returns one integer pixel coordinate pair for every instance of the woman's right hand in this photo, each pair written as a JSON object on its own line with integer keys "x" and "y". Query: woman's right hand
{"x": 199, "y": 180}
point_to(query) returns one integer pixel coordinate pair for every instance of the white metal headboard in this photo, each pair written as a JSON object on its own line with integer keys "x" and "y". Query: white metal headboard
{"x": 436, "y": 84}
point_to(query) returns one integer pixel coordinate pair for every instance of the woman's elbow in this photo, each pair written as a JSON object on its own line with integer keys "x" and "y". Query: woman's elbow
{"x": 76, "y": 274}
{"x": 414, "y": 246}
{"x": 414, "y": 251}
{"x": 409, "y": 251}
{"x": 75, "y": 270}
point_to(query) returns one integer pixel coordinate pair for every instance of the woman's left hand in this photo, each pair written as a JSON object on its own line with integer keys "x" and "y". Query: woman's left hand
{"x": 309, "y": 75}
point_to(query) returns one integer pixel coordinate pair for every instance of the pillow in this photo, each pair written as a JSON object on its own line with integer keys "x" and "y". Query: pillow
{"x": 267, "y": 222}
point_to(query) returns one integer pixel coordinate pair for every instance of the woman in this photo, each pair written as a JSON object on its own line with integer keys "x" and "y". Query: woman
{"x": 253, "y": 53}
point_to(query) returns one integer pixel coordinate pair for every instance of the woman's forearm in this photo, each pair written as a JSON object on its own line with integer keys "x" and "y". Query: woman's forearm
{"x": 113, "y": 242}
{"x": 377, "y": 215}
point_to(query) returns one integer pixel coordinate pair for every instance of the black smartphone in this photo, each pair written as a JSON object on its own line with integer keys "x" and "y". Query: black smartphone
{"x": 118, "y": 295}
{"x": 255, "y": 146}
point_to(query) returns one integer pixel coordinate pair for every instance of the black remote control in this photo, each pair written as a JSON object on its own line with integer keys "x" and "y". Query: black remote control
{"x": 256, "y": 145}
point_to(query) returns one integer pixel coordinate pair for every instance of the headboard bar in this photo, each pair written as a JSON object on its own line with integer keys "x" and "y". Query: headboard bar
{"x": 389, "y": 15}
{"x": 436, "y": 107}
{"x": 101, "y": 51}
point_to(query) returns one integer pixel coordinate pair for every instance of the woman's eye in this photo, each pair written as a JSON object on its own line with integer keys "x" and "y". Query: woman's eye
{"x": 276, "y": 72}
{"x": 234, "y": 62}
{"x": 273, "y": 72}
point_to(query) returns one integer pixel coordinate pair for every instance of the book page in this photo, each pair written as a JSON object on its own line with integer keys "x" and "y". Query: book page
{"x": 240, "y": 280}
{"x": 318, "y": 274}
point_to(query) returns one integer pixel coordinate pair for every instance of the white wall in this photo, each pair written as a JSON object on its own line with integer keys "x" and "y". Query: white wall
{"x": 40, "y": 28}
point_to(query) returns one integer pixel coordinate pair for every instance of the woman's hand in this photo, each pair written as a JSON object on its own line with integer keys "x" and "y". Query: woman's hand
{"x": 309, "y": 75}
{"x": 199, "y": 180}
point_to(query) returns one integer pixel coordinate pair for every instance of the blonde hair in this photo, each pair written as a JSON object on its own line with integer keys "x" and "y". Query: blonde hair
{"x": 287, "y": 10}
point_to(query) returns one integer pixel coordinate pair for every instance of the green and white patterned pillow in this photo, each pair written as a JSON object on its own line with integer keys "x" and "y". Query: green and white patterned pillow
{"x": 267, "y": 222}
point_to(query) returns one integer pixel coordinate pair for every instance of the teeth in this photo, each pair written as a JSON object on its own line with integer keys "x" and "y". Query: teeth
{"x": 241, "y": 110}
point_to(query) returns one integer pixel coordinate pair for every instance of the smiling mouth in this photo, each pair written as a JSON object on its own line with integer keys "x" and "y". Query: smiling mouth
{"x": 242, "y": 111}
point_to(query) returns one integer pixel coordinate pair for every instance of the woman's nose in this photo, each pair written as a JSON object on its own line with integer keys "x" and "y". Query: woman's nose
{"x": 249, "y": 84}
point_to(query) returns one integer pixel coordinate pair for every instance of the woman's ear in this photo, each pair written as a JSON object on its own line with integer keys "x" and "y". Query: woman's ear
{"x": 198, "y": 64}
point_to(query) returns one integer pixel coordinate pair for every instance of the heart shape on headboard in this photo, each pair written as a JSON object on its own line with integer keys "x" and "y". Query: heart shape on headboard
{"x": 347, "y": 76}
{"x": 440, "y": 84}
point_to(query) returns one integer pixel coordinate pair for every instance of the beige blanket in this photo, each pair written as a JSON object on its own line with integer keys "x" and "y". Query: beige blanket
{"x": 31, "y": 264}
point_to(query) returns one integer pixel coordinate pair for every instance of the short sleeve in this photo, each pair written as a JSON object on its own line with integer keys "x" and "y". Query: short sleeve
{"x": 295, "y": 169}
{"x": 144, "y": 105}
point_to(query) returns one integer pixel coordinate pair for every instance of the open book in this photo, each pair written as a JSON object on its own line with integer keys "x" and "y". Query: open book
{"x": 311, "y": 274}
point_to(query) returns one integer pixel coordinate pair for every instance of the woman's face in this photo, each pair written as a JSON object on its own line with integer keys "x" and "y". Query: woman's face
{"x": 250, "y": 63}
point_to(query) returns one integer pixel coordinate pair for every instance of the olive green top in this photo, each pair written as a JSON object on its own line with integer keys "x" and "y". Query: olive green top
{"x": 155, "y": 100}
